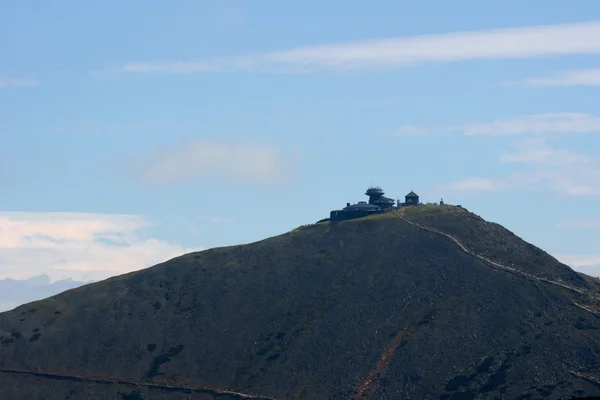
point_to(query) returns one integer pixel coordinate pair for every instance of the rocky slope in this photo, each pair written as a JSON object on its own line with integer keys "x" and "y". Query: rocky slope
{"x": 429, "y": 302}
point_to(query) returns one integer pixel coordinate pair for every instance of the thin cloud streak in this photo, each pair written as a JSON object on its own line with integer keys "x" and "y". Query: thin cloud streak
{"x": 588, "y": 223}
{"x": 547, "y": 168}
{"x": 199, "y": 160}
{"x": 551, "y": 123}
{"x": 511, "y": 43}
{"x": 536, "y": 124}
{"x": 17, "y": 82}
{"x": 581, "y": 77}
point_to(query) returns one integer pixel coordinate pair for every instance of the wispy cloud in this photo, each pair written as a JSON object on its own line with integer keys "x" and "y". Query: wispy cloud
{"x": 511, "y": 43}
{"x": 555, "y": 123}
{"x": 587, "y": 263}
{"x": 587, "y": 223}
{"x": 77, "y": 245}
{"x": 537, "y": 151}
{"x": 546, "y": 168}
{"x": 555, "y": 169}
{"x": 215, "y": 160}
{"x": 536, "y": 124}
{"x": 17, "y": 82}
{"x": 581, "y": 77}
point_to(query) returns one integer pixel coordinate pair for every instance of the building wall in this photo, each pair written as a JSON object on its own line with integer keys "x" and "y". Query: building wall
{"x": 339, "y": 215}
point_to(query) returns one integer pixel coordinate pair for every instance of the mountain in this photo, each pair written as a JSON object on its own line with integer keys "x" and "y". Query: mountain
{"x": 422, "y": 302}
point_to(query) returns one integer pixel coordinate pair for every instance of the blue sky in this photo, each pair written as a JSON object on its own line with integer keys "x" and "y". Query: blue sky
{"x": 135, "y": 131}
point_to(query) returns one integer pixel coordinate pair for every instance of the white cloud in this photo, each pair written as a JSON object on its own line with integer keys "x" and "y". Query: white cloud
{"x": 587, "y": 263}
{"x": 537, "y": 151}
{"x": 16, "y": 82}
{"x": 535, "y": 124}
{"x": 559, "y": 170}
{"x": 587, "y": 223}
{"x": 546, "y": 168}
{"x": 77, "y": 245}
{"x": 220, "y": 160}
{"x": 510, "y": 43}
{"x": 538, "y": 124}
{"x": 581, "y": 77}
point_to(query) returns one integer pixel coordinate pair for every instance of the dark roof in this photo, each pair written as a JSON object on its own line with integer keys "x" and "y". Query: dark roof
{"x": 361, "y": 206}
{"x": 412, "y": 194}
{"x": 374, "y": 191}
{"x": 383, "y": 199}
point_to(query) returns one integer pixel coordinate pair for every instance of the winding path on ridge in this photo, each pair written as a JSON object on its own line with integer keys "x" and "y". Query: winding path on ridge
{"x": 215, "y": 393}
{"x": 502, "y": 267}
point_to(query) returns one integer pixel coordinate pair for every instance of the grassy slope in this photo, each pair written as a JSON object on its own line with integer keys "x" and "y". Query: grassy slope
{"x": 493, "y": 241}
{"x": 310, "y": 314}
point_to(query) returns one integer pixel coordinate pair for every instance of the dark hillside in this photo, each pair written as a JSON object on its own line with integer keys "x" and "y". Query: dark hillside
{"x": 493, "y": 241}
{"x": 373, "y": 308}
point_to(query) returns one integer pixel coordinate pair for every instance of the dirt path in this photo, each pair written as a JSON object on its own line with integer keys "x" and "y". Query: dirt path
{"x": 115, "y": 381}
{"x": 502, "y": 267}
{"x": 366, "y": 387}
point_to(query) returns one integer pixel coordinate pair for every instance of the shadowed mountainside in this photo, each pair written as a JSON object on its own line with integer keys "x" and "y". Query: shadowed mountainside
{"x": 429, "y": 302}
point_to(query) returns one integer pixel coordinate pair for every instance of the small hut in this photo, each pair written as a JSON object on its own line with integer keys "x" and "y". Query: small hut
{"x": 411, "y": 199}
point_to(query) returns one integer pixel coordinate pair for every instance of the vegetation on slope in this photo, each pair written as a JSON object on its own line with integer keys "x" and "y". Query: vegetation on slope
{"x": 369, "y": 308}
{"x": 493, "y": 241}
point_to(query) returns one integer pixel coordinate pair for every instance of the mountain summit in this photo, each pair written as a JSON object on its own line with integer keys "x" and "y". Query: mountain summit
{"x": 416, "y": 302}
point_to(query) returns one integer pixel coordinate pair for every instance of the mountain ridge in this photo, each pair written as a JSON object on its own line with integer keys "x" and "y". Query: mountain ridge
{"x": 387, "y": 306}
